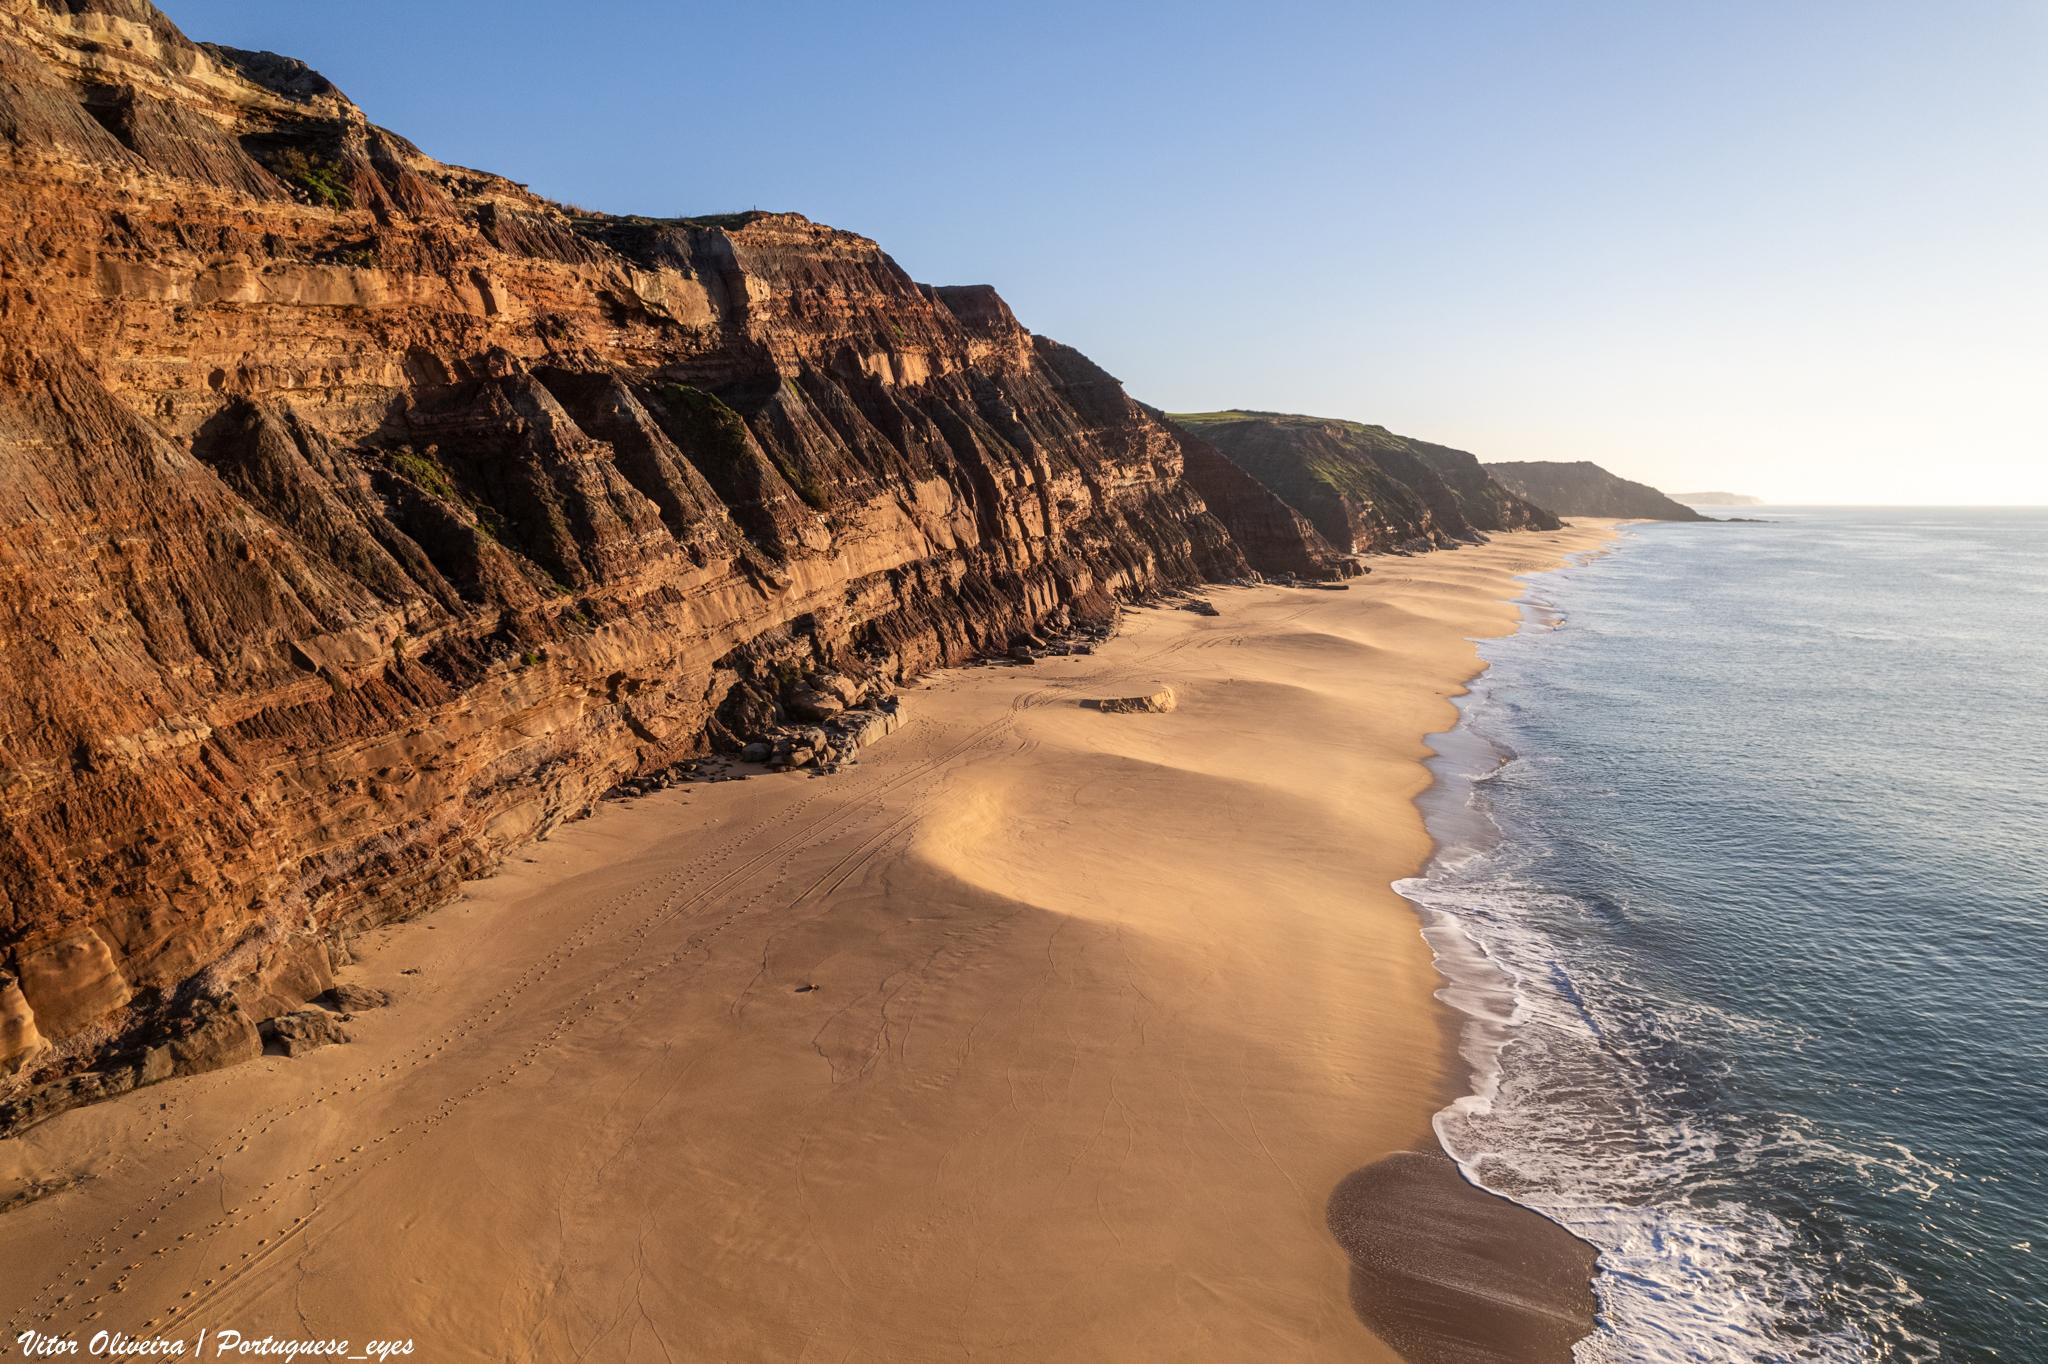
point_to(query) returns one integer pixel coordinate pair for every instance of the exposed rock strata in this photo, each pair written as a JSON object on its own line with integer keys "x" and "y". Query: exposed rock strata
{"x": 362, "y": 517}
{"x": 1363, "y": 487}
{"x": 1583, "y": 488}
{"x": 1277, "y": 540}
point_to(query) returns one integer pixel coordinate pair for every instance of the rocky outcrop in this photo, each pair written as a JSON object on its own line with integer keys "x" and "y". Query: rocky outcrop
{"x": 1363, "y": 487}
{"x": 362, "y": 517}
{"x": 1583, "y": 488}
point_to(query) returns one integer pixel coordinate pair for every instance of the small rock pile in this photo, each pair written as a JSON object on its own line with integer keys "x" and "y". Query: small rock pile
{"x": 675, "y": 774}
{"x": 1077, "y": 638}
{"x": 1352, "y": 569}
{"x": 835, "y": 717}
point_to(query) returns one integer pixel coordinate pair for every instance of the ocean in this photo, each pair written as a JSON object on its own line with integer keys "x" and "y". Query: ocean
{"x": 1743, "y": 886}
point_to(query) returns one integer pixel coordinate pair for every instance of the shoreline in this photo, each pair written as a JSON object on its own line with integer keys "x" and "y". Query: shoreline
{"x": 1040, "y": 1031}
{"x": 1538, "y": 1302}
{"x": 1434, "y": 806}
{"x": 1445, "y": 1269}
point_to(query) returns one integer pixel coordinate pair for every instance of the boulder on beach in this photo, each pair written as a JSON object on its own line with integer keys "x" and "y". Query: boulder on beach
{"x": 1156, "y": 702}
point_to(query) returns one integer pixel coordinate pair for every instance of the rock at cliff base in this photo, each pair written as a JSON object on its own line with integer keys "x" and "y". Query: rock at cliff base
{"x": 212, "y": 1033}
{"x": 807, "y": 703}
{"x": 280, "y": 976}
{"x": 839, "y": 687}
{"x": 294, "y": 1034}
{"x": 350, "y": 999}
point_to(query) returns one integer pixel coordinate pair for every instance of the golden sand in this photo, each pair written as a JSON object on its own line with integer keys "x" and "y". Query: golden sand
{"x": 1102, "y": 1008}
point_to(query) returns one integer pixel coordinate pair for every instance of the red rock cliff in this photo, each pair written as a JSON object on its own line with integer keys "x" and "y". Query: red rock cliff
{"x": 363, "y": 516}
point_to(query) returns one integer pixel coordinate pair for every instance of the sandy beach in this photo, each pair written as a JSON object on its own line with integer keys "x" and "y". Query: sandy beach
{"x": 1041, "y": 1033}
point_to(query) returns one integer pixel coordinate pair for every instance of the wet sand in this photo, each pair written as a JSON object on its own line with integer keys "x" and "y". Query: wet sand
{"x": 1041, "y": 1033}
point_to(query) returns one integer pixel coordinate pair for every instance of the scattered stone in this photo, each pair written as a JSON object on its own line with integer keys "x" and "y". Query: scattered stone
{"x": 1201, "y": 607}
{"x": 758, "y": 751}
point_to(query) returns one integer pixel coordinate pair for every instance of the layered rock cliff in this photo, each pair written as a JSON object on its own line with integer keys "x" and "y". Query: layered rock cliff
{"x": 1583, "y": 488}
{"x": 1277, "y": 540}
{"x": 362, "y": 517}
{"x": 1363, "y": 487}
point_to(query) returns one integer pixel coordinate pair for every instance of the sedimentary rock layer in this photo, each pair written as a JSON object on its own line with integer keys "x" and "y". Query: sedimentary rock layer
{"x": 363, "y": 516}
{"x": 1363, "y": 487}
{"x": 1276, "y": 539}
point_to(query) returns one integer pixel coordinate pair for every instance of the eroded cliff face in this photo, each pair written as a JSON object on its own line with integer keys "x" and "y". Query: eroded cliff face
{"x": 1276, "y": 540}
{"x": 1364, "y": 488}
{"x": 362, "y": 517}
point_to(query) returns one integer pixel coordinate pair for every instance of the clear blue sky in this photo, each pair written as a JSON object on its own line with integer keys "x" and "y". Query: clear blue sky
{"x": 1790, "y": 247}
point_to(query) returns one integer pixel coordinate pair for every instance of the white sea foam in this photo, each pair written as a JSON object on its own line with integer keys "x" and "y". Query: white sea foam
{"x": 1565, "y": 1115}
{"x": 1677, "y": 1284}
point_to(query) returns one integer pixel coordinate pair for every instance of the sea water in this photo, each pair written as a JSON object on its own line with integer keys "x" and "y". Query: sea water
{"x": 1744, "y": 892}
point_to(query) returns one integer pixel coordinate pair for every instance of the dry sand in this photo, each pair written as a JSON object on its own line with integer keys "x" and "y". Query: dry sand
{"x": 1105, "y": 1008}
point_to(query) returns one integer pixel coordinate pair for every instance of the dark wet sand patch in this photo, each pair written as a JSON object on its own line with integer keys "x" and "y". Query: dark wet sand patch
{"x": 1450, "y": 1274}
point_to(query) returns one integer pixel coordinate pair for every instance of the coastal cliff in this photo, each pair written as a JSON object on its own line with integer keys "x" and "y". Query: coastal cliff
{"x": 363, "y": 517}
{"x": 1276, "y": 539}
{"x": 1365, "y": 488}
{"x": 1583, "y": 488}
